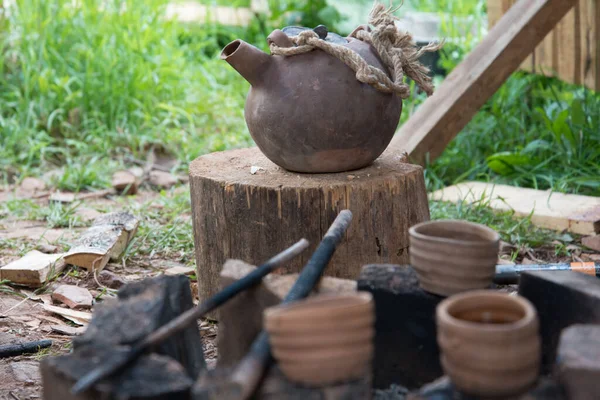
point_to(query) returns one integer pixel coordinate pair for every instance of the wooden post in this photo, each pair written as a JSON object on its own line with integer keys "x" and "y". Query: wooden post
{"x": 437, "y": 121}
{"x": 247, "y": 208}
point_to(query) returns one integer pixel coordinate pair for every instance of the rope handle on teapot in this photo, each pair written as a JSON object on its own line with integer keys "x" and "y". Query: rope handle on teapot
{"x": 396, "y": 50}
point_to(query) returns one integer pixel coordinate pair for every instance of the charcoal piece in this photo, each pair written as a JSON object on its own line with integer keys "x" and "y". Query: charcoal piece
{"x": 140, "y": 308}
{"x": 406, "y": 349}
{"x": 151, "y": 376}
{"x": 562, "y": 299}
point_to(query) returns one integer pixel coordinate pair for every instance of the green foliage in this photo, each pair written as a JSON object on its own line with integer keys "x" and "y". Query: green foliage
{"x": 106, "y": 78}
{"x": 535, "y": 132}
{"x": 520, "y": 232}
{"x": 309, "y": 13}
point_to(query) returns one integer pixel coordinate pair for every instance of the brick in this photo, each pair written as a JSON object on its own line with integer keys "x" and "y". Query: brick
{"x": 240, "y": 319}
{"x": 592, "y": 242}
{"x": 406, "y": 349}
{"x": 73, "y": 296}
{"x": 578, "y": 361}
{"x": 562, "y": 299}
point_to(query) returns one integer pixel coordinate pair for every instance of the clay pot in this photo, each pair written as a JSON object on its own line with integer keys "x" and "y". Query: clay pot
{"x": 324, "y": 339}
{"x": 489, "y": 343}
{"x": 308, "y": 112}
{"x": 452, "y": 256}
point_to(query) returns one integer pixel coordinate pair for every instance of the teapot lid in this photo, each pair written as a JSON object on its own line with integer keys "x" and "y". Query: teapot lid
{"x": 320, "y": 30}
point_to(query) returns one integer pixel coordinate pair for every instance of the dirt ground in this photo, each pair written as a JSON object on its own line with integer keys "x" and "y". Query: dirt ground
{"x": 22, "y": 313}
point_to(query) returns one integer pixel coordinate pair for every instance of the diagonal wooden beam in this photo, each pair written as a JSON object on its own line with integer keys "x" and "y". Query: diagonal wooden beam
{"x": 443, "y": 115}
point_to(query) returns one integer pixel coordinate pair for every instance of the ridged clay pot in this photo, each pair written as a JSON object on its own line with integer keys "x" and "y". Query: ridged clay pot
{"x": 451, "y": 256}
{"x": 324, "y": 339}
{"x": 489, "y": 343}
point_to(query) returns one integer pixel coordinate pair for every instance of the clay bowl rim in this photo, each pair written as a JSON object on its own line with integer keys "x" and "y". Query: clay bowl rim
{"x": 298, "y": 308}
{"x": 443, "y": 311}
{"x": 487, "y": 234}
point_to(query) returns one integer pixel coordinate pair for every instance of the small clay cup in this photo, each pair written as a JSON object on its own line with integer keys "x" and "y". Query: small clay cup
{"x": 489, "y": 342}
{"x": 324, "y": 339}
{"x": 451, "y": 256}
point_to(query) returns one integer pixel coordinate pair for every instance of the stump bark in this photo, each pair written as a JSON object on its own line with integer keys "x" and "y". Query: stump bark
{"x": 246, "y": 207}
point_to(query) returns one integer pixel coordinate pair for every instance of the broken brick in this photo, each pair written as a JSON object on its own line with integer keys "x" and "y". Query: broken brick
{"x": 406, "y": 349}
{"x": 73, "y": 296}
{"x": 592, "y": 242}
{"x": 562, "y": 299}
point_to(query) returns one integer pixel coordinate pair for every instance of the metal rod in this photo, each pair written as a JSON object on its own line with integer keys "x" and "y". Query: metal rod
{"x": 249, "y": 371}
{"x": 120, "y": 360}
{"x": 16, "y": 349}
{"x": 509, "y": 274}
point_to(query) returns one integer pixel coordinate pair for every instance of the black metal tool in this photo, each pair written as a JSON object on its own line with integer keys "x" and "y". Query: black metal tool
{"x": 16, "y": 349}
{"x": 509, "y": 274}
{"x": 122, "y": 359}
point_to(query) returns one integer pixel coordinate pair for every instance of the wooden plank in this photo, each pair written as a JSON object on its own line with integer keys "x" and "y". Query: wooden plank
{"x": 443, "y": 115}
{"x": 590, "y": 43}
{"x": 562, "y": 212}
{"x": 571, "y": 51}
{"x": 33, "y": 269}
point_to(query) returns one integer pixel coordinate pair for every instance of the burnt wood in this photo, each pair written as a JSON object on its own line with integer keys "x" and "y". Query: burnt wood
{"x": 406, "y": 349}
{"x": 140, "y": 309}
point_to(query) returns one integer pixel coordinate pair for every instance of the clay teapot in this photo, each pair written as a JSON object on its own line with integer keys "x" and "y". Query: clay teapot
{"x": 308, "y": 112}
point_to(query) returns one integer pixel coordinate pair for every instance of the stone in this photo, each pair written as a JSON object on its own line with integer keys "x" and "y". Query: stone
{"x": 240, "y": 319}
{"x": 276, "y": 386}
{"x": 60, "y": 197}
{"x": 46, "y": 248}
{"x": 163, "y": 179}
{"x": 73, "y": 296}
{"x": 125, "y": 182}
{"x": 578, "y": 361}
{"x": 562, "y": 299}
{"x": 592, "y": 242}
{"x": 33, "y": 185}
{"x": 25, "y": 372}
{"x": 180, "y": 270}
{"x": 406, "y": 349}
{"x": 443, "y": 389}
{"x": 110, "y": 280}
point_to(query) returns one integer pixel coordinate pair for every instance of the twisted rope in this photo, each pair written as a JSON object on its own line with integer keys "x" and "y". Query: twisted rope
{"x": 396, "y": 50}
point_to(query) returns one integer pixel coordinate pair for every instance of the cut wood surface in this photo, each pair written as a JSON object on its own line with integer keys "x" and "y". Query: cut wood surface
{"x": 106, "y": 239}
{"x": 443, "y": 115}
{"x": 574, "y": 213}
{"x": 33, "y": 269}
{"x": 250, "y": 217}
{"x": 571, "y": 51}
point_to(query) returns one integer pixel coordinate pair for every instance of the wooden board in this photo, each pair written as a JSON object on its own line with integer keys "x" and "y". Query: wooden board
{"x": 558, "y": 211}
{"x": 443, "y": 115}
{"x": 33, "y": 269}
{"x": 249, "y": 216}
{"x": 571, "y": 50}
{"x": 106, "y": 239}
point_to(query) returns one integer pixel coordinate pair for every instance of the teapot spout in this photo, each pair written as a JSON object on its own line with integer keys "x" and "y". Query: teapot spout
{"x": 247, "y": 60}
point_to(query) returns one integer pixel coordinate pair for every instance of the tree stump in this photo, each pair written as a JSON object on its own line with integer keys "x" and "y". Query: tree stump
{"x": 246, "y": 207}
